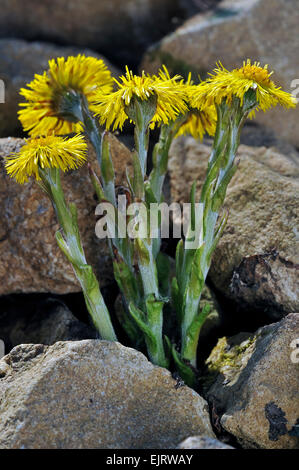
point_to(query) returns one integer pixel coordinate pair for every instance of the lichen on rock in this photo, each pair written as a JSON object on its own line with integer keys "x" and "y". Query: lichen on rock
{"x": 254, "y": 384}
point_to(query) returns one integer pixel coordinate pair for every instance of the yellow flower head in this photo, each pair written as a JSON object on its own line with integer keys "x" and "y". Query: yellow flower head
{"x": 41, "y": 114}
{"x": 199, "y": 123}
{"x": 46, "y": 152}
{"x": 111, "y": 108}
{"x": 201, "y": 119}
{"x": 224, "y": 84}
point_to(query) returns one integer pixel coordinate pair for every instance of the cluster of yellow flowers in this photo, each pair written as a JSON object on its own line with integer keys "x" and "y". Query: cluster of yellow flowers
{"x": 108, "y": 98}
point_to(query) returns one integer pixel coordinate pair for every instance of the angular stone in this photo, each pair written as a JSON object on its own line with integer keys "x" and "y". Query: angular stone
{"x": 262, "y": 30}
{"x": 20, "y": 60}
{"x": 256, "y": 261}
{"x": 202, "y": 442}
{"x": 93, "y": 394}
{"x": 255, "y": 385}
{"x": 119, "y": 29}
{"x": 30, "y": 260}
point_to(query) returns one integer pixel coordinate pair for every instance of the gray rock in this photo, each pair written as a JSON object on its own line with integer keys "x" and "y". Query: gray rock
{"x": 202, "y": 442}
{"x": 20, "y": 60}
{"x": 255, "y": 385}
{"x": 30, "y": 260}
{"x": 256, "y": 261}
{"x": 119, "y": 29}
{"x": 47, "y": 322}
{"x": 263, "y": 30}
{"x": 93, "y": 394}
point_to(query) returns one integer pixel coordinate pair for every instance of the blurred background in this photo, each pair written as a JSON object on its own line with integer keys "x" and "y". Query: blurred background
{"x": 186, "y": 35}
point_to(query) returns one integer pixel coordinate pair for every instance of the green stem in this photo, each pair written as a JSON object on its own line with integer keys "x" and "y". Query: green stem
{"x": 154, "y": 306}
{"x": 91, "y": 129}
{"x": 141, "y": 112}
{"x": 155, "y": 322}
{"x": 71, "y": 246}
{"x": 147, "y": 267}
{"x": 151, "y": 323}
{"x": 75, "y": 106}
{"x": 141, "y": 142}
{"x": 160, "y": 156}
{"x": 221, "y": 168}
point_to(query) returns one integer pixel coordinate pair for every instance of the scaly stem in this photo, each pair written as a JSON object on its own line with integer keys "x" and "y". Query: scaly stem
{"x": 91, "y": 128}
{"x": 74, "y": 107}
{"x": 150, "y": 316}
{"x": 221, "y": 168}
{"x": 70, "y": 244}
{"x": 160, "y": 156}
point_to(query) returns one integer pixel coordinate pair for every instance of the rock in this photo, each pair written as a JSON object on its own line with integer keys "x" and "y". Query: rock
{"x": 202, "y": 442}
{"x": 263, "y": 30}
{"x": 93, "y": 394}
{"x": 194, "y": 6}
{"x": 30, "y": 260}
{"x": 20, "y": 60}
{"x": 256, "y": 261}
{"x": 121, "y": 30}
{"x": 256, "y": 389}
{"x": 44, "y": 322}
{"x": 258, "y": 135}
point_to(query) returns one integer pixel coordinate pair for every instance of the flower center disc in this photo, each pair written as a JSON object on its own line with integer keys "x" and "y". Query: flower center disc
{"x": 253, "y": 72}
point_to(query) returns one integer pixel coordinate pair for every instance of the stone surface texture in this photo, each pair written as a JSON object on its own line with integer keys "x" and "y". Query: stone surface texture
{"x": 202, "y": 442}
{"x": 119, "y": 29}
{"x": 262, "y": 30}
{"x": 255, "y": 385}
{"x": 93, "y": 394}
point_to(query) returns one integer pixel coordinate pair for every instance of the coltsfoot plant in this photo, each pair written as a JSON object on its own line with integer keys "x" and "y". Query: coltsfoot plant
{"x": 78, "y": 96}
